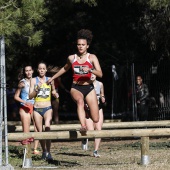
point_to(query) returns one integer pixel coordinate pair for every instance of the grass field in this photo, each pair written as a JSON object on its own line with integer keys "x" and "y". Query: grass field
{"x": 116, "y": 154}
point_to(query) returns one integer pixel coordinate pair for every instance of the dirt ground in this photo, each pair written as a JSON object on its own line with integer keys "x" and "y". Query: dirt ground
{"x": 116, "y": 154}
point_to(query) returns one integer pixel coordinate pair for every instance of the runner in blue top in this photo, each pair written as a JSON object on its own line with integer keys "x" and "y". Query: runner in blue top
{"x": 26, "y": 105}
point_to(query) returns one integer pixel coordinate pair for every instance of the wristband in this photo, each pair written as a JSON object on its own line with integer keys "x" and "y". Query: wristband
{"x": 91, "y": 70}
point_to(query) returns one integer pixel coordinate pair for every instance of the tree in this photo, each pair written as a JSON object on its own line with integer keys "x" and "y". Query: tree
{"x": 89, "y": 2}
{"x": 19, "y": 24}
{"x": 19, "y": 20}
{"x": 154, "y": 23}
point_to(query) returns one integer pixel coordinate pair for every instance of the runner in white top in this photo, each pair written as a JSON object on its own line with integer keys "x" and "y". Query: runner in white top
{"x": 99, "y": 89}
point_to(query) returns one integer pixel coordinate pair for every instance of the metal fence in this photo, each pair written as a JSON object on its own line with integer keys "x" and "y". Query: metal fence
{"x": 4, "y": 164}
{"x": 157, "y": 76}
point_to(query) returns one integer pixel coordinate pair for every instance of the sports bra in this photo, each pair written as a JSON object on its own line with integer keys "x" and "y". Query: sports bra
{"x": 78, "y": 73}
{"x": 44, "y": 94}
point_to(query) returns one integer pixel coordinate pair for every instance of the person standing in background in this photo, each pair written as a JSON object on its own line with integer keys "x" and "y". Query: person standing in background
{"x": 142, "y": 96}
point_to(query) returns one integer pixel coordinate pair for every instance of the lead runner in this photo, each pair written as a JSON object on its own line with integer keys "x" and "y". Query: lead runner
{"x": 83, "y": 65}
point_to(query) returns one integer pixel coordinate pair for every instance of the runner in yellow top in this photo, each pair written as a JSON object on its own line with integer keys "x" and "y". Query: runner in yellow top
{"x": 42, "y": 106}
{"x": 44, "y": 92}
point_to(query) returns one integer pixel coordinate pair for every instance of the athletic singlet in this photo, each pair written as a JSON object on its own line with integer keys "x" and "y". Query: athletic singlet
{"x": 44, "y": 94}
{"x": 97, "y": 89}
{"x": 78, "y": 73}
{"x": 25, "y": 92}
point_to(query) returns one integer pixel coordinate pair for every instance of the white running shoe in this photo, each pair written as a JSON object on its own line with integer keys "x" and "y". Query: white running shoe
{"x": 84, "y": 144}
{"x": 96, "y": 154}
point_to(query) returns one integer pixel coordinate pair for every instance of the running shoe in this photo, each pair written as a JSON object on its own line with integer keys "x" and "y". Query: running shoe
{"x": 27, "y": 141}
{"x": 49, "y": 157}
{"x": 96, "y": 154}
{"x": 31, "y": 139}
{"x": 36, "y": 152}
{"x": 83, "y": 130}
{"x": 84, "y": 144}
{"x": 43, "y": 156}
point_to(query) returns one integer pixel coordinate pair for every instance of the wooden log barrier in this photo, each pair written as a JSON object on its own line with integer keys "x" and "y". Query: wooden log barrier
{"x": 90, "y": 134}
{"x": 110, "y": 125}
{"x": 143, "y": 133}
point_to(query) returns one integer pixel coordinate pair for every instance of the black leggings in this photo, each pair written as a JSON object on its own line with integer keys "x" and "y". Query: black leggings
{"x": 142, "y": 112}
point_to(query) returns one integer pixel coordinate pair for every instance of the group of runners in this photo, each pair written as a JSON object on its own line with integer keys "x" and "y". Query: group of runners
{"x": 34, "y": 95}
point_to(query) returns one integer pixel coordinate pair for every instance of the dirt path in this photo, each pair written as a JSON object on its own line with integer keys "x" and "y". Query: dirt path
{"x": 117, "y": 154}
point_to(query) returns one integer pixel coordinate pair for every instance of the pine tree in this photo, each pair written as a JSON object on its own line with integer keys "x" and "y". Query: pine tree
{"x": 20, "y": 19}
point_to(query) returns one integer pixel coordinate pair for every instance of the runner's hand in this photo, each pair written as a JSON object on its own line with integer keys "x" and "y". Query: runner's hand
{"x": 49, "y": 81}
{"x": 28, "y": 104}
{"x": 56, "y": 95}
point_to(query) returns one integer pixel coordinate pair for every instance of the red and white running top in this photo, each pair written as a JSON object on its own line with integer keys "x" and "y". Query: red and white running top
{"x": 78, "y": 73}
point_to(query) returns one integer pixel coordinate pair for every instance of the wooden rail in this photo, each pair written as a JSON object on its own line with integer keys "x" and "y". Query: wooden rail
{"x": 144, "y": 133}
{"x": 90, "y": 134}
{"x": 110, "y": 125}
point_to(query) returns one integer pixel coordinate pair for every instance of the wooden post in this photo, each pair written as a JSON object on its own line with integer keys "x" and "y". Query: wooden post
{"x": 145, "y": 160}
{"x": 27, "y": 160}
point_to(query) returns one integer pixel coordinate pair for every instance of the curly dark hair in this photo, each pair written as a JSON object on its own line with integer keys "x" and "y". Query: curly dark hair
{"x": 85, "y": 34}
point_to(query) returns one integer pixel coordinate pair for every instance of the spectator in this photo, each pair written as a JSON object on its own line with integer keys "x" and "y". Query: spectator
{"x": 142, "y": 96}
